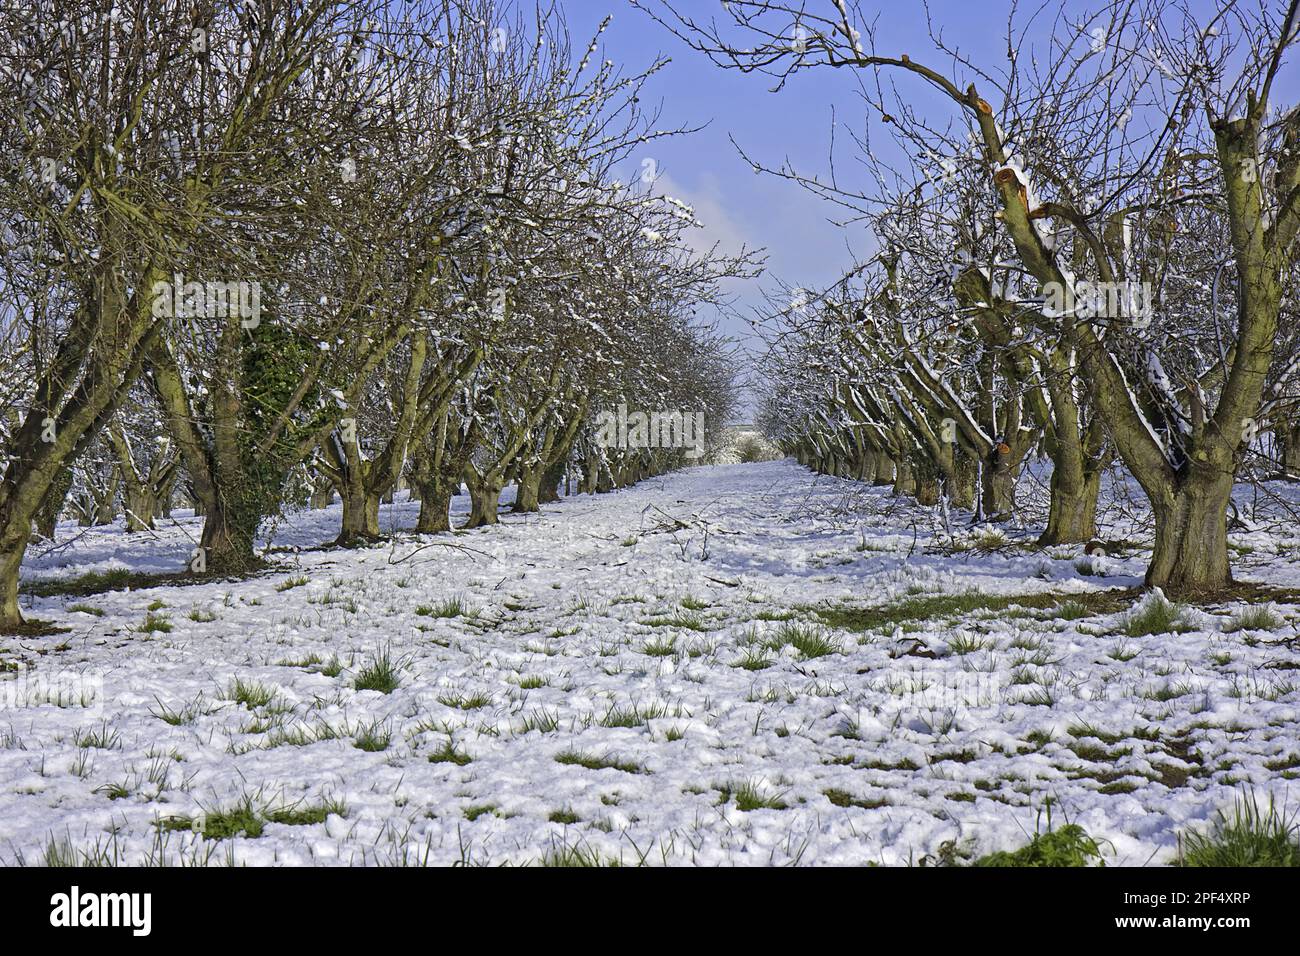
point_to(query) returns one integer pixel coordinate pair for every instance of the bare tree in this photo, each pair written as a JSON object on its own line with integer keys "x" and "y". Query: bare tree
{"x": 1137, "y": 119}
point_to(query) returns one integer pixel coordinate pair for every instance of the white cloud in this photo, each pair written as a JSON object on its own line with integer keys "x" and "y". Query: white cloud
{"x": 717, "y": 224}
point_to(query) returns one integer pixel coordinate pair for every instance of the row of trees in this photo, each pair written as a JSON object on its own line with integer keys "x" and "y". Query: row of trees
{"x": 268, "y": 251}
{"x": 1087, "y": 250}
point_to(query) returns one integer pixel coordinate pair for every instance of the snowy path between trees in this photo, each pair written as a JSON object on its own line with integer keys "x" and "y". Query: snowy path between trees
{"x": 733, "y": 665}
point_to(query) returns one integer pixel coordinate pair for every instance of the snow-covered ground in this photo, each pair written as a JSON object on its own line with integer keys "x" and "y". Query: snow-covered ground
{"x": 620, "y": 678}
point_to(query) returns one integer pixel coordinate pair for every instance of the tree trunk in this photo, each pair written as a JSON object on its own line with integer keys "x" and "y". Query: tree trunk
{"x": 868, "y": 466}
{"x": 106, "y": 504}
{"x": 360, "y": 515}
{"x": 141, "y": 506}
{"x": 549, "y": 489}
{"x": 1072, "y": 513}
{"x": 1191, "y": 550}
{"x": 485, "y": 498}
{"x": 528, "y": 490}
{"x": 885, "y": 470}
{"x": 11, "y": 559}
{"x": 927, "y": 491}
{"x": 1289, "y": 438}
{"x": 998, "y": 494}
{"x": 47, "y": 517}
{"x": 590, "y": 475}
{"x": 225, "y": 545}
{"x": 962, "y": 488}
{"x": 904, "y": 479}
{"x": 435, "y": 507}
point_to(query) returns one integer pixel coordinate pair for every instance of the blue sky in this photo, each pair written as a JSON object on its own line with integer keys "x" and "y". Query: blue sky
{"x": 704, "y": 169}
